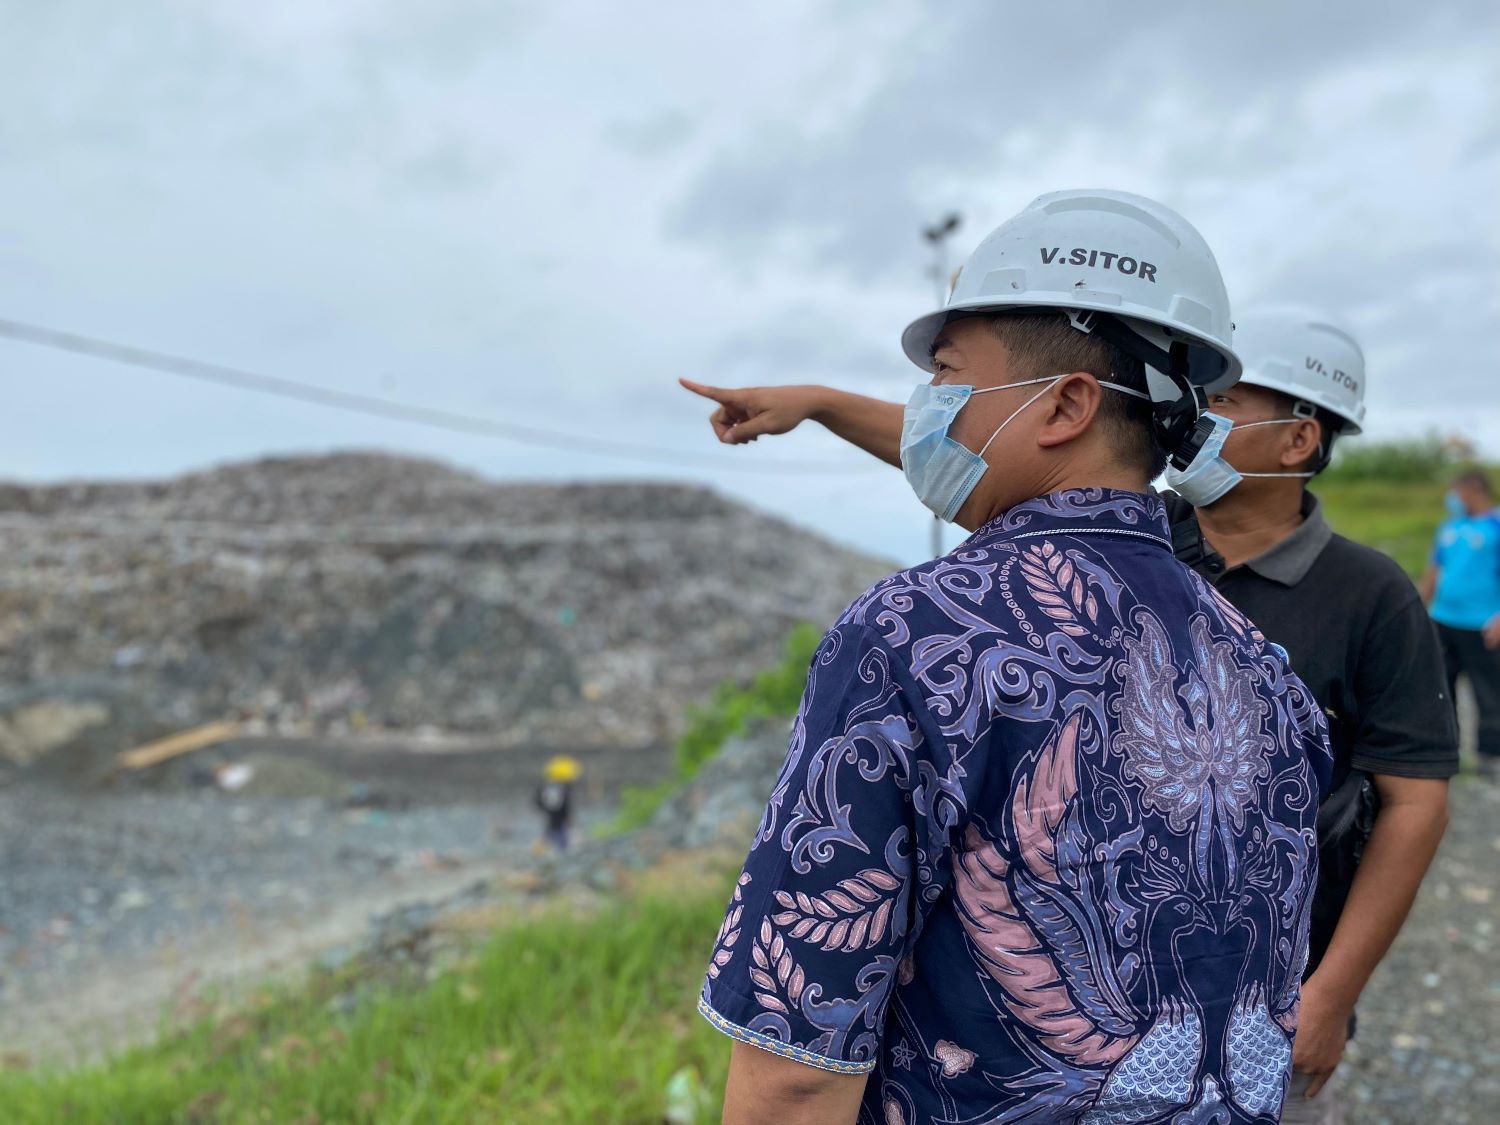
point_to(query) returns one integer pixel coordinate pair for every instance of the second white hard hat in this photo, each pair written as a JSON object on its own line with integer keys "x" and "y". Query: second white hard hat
{"x": 1300, "y": 353}
{"x": 1097, "y": 251}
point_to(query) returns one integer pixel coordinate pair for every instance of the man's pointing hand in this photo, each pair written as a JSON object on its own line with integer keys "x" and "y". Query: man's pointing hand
{"x": 746, "y": 413}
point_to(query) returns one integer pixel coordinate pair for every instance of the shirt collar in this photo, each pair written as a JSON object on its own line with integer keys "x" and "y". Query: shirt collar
{"x": 1092, "y": 511}
{"x": 1289, "y": 561}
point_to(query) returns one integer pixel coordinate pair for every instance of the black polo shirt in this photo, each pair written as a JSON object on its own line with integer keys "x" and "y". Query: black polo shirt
{"x": 1359, "y": 637}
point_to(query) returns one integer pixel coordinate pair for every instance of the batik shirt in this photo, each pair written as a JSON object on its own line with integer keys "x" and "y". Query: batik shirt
{"x": 1042, "y": 848}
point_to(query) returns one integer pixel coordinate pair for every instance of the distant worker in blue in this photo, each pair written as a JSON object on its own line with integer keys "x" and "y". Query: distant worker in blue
{"x": 1462, "y": 589}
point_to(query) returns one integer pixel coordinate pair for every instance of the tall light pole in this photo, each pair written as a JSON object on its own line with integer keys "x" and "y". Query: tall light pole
{"x": 937, "y": 237}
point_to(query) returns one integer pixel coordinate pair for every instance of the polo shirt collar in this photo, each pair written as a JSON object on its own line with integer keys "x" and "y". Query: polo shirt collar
{"x": 1095, "y": 511}
{"x": 1289, "y": 561}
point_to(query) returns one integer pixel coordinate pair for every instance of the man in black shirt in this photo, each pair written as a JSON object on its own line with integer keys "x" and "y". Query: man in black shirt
{"x": 1352, "y": 622}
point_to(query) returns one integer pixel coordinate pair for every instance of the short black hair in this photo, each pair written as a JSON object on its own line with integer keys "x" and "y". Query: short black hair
{"x": 1046, "y": 343}
{"x": 1478, "y": 478}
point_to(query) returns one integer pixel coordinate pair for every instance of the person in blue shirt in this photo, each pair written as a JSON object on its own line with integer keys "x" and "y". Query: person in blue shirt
{"x": 1462, "y": 589}
{"x": 1044, "y": 845}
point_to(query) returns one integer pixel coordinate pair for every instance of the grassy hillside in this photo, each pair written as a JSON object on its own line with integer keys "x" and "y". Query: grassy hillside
{"x": 559, "y": 1019}
{"x": 1398, "y": 517}
{"x": 1390, "y": 495}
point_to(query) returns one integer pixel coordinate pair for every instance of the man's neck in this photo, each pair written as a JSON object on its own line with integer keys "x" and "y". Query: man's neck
{"x": 1096, "y": 475}
{"x": 1243, "y": 525}
{"x": 1066, "y": 477}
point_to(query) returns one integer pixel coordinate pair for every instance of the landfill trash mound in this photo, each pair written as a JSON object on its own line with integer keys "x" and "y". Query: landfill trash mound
{"x": 352, "y": 592}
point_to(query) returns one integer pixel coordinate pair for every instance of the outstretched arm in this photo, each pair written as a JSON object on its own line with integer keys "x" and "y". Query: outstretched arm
{"x": 745, "y": 413}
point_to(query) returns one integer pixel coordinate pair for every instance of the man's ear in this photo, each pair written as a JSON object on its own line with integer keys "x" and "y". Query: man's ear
{"x": 1072, "y": 403}
{"x": 1304, "y": 441}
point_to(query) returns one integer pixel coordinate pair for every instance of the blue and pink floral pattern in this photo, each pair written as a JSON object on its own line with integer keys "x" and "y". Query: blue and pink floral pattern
{"x": 1042, "y": 849}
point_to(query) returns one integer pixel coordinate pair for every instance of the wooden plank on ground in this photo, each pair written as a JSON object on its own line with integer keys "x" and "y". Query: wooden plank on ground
{"x": 176, "y": 745}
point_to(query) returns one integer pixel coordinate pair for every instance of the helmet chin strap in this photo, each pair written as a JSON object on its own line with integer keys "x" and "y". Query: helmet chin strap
{"x": 1177, "y": 421}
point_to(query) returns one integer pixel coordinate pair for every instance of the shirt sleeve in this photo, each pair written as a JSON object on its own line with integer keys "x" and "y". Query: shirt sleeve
{"x": 826, "y": 907}
{"x": 1406, "y": 725}
{"x": 1437, "y": 546}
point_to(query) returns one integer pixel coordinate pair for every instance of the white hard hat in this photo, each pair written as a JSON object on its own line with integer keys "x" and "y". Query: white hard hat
{"x": 1300, "y": 353}
{"x": 1098, "y": 251}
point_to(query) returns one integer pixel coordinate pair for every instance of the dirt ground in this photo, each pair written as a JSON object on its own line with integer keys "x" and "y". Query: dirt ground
{"x": 1428, "y": 1046}
{"x": 119, "y": 903}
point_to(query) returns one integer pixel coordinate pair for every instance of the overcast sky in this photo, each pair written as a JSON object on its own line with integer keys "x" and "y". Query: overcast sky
{"x": 546, "y": 212}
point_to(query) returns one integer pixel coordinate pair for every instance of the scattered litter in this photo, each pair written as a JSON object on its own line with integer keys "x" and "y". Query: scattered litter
{"x": 133, "y": 898}
{"x": 234, "y": 776}
{"x": 174, "y": 746}
{"x": 687, "y": 1100}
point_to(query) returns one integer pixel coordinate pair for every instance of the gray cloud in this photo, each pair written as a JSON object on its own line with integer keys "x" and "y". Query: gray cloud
{"x": 987, "y": 90}
{"x": 548, "y": 213}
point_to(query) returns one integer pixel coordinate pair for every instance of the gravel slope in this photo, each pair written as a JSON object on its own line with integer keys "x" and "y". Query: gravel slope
{"x": 114, "y": 906}
{"x": 1428, "y": 1050}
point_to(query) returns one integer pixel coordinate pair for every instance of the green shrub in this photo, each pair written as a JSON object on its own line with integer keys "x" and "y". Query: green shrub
{"x": 1411, "y": 460}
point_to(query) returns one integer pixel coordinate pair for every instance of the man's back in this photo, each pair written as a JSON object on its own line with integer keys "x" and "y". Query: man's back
{"x": 1042, "y": 849}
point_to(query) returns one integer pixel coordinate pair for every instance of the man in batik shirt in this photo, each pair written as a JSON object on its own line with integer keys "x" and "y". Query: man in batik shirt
{"x": 1043, "y": 846}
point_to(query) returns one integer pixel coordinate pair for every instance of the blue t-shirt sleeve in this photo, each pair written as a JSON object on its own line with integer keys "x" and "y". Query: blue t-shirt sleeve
{"x": 828, "y": 902}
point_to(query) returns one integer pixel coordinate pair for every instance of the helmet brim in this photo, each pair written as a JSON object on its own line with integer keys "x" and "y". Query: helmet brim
{"x": 920, "y": 335}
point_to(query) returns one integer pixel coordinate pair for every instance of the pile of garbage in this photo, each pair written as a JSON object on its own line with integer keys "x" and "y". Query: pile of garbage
{"x": 355, "y": 592}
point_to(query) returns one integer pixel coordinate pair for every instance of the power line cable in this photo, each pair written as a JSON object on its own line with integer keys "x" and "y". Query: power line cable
{"x": 388, "y": 408}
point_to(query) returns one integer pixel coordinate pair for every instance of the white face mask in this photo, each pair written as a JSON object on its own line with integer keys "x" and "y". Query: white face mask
{"x": 1210, "y": 477}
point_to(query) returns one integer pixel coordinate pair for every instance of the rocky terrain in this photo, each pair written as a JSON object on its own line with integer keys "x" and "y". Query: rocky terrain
{"x": 358, "y": 592}
{"x": 131, "y": 908}
{"x": 402, "y": 645}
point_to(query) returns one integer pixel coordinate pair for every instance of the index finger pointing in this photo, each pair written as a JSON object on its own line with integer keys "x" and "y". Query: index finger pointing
{"x": 718, "y": 394}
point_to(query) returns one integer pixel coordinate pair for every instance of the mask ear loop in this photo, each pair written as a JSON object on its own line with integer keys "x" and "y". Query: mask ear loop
{"x": 1273, "y": 422}
{"x": 1016, "y": 412}
{"x": 1049, "y": 380}
{"x": 1267, "y": 422}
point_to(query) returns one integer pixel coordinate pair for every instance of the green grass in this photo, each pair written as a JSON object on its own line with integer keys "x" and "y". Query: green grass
{"x": 1397, "y": 517}
{"x": 555, "y": 1020}
{"x": 1389, "y": 495}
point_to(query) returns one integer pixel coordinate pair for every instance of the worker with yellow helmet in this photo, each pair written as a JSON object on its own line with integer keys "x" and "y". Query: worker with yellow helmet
{"x": 554, "y": 798}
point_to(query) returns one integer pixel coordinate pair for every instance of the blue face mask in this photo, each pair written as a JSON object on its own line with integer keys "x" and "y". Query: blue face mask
{"x": 1455, "y": 506}
{"x": 1209, "y": 476}
{"x": 941, "y": 471}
